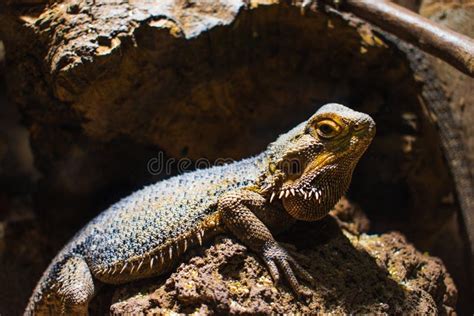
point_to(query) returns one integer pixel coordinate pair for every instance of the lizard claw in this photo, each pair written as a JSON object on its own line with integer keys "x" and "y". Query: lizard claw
{"x": 277, "y": 259}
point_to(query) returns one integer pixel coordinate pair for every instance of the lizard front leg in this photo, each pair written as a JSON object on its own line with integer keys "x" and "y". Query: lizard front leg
{"x": 249, "y": 216}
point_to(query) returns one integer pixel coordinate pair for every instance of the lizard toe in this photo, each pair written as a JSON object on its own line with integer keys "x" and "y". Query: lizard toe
{"x": 273, "y": 269}
{"x": 289, "y": 275}
{"x": 301, "y": 272}
{"x": 279, "y": 260}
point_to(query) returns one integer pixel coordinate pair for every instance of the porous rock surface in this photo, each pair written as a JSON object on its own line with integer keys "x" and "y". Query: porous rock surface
{"x": 354, "y": 273}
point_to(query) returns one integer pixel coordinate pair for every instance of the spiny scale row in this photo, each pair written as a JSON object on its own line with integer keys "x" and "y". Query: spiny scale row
{"x": 159, "y": 257}
{"x": 306, "y": 194}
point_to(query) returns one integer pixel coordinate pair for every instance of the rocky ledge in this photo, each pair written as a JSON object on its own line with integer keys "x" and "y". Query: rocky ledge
{"x": 355, "y": 273}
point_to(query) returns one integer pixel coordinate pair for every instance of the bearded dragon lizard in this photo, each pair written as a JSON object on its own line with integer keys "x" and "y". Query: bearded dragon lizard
{"x": 300, "y": 176}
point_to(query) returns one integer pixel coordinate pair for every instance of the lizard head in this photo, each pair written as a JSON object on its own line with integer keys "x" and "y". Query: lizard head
{"x": 310, "y": 167}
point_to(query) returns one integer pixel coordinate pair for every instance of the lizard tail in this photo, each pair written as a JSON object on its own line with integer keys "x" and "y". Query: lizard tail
{"x": 36, "y": 303}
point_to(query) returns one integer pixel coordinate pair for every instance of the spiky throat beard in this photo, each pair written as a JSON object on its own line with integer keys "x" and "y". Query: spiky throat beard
{"x": 314, "y": 198}
{"x": 315, "y": 193}
{"x": 324, "y": 180}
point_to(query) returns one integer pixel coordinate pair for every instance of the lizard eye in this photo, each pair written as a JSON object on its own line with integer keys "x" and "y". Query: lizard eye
{"x": 327, "y": 129}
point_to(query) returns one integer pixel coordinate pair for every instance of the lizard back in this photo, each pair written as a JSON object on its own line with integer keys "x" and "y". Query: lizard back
{"x": 142, "y": 235}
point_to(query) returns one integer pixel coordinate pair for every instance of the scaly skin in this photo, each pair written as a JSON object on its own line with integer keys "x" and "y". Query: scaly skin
{"x": 299, "y": 177}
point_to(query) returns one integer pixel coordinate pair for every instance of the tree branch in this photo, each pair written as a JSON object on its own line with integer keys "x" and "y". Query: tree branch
{"x": 450, "y": 46}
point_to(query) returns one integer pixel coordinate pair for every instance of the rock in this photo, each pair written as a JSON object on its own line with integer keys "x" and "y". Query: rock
{"x": 355, "y": 273}
{"x": 459, "y": 16}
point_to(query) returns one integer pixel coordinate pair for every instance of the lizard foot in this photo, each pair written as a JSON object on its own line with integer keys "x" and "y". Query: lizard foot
{"x": 278, "y": 259}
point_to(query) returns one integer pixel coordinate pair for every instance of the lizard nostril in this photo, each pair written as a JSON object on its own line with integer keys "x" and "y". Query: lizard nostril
{"x": 359, "y": 126}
